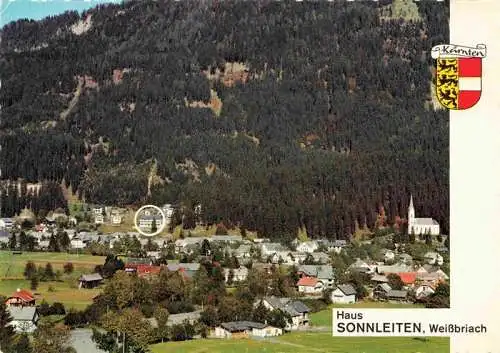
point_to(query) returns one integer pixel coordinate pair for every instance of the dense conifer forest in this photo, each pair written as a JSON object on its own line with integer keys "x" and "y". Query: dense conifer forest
{"x": 272, "y": 115}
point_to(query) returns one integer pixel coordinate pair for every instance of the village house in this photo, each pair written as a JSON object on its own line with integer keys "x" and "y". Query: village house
{"x": 162, "y": 243}
{"x": 433, "y": 258}
{"x": 24, "y": 318}
{"x": 4, "y": 236}
{"x": 297, "y": 310}
{"x": 188, "y": 266}
{"x": 243, "y": 253}
{"x": 260, "y": 240}
{"x": 187, "y": 270}
{"x": 385, "y": 292}
{"x": 89, "y": 237}
{"x": 21, "y": 297}
{"x": 408, "y": 278}
{"x": 442, "y": 249}
{"x": 43, "y": 244}
{"x": 396, "y": 268}
{"x": 116, "y": 219}
{"x": 381, "y": 290}
{"x": 320, "y": 257}
{"x": 142, "y": 267}
{"x": 376, "y": 279}
{"x": 6, "y": 223}
{"x": 178, "y": 319}
{"x": 337, "y": 245}
{"x": 57, "y": 214}
{"x": 77, "y": 243}
{"x": 307, "y": 247}
{"x": 155, "y": 255}
{"x": 423, "y": 291}
{"x": 279, "y": 257}
{"x": 90, "y": 281}
{"x": 183, "y": 245}
{"x": 388, "y": 255}
{"x": 134, "y": 261}
{"x": 168, "y": 212}
{"x": 143, "y": 241}
{"x": 361, "y": 266}
{"x": 231, "y": 239}
{"x": 397, "y": 295}
{"x": 295, "y": 258}
{"x": 239, "y": 274}
{"x": 430, "y": 278}
{"x": 98, "y": 219}
{"x": 72, "y": 221}
{"x": 263, "y": 267}
{"x": 405, "y": 259}
{"x": 245, "y": 329}
{"x": 147, "y": 221}
{"x": 71, "y": 232}
{"x": 268, "y": 249}
{"x": 343, "y": 294}
{"x": 310, "y": 285}
{"x": 112, "y": 242}
{"x": 323, "y": 273}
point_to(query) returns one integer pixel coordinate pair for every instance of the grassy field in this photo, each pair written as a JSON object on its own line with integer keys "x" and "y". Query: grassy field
{"x": 12, "y": 266}
{"x": 65, "y": 291}
{"x": 310, "y": 342}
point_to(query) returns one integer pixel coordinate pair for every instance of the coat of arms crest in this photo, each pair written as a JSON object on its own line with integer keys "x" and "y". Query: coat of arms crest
{"x": 458, "y": 75}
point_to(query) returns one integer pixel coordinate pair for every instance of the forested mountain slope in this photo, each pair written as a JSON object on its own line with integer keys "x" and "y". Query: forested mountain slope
{"x": 272, "y": 115}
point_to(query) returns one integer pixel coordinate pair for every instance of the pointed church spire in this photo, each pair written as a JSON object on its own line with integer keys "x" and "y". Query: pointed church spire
{"x": 411, "y": 201}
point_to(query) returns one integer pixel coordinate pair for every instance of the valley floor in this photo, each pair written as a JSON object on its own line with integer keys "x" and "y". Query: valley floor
{"x": 310, "y": 342}
{"x": 298, "y": 342}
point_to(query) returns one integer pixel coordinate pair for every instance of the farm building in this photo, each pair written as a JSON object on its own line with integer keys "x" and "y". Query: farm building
{"x": 90, "y": 281}
{"x": 245, "y": 329}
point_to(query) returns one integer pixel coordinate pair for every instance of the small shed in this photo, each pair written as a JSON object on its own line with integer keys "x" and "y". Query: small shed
{"x": 90, "y": 281}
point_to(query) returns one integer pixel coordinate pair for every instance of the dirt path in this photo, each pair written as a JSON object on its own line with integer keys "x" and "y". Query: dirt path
{"x": 74, "y": 100}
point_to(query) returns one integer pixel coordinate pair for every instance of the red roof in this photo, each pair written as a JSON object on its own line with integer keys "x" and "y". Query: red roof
{"x": 307, "y": 281}
{"x": 147, "y": 269}
{"x": 23, "y": 294}
{"x": 408, "y": 277}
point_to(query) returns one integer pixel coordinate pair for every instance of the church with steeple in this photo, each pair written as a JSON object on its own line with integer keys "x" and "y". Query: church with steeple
{"x": 419, "y": 226}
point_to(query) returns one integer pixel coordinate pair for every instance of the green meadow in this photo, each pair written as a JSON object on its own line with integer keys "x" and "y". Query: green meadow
{"x": 321, "y": 342}
{"x": 310, "y": 342}
{"x": 65, "y": 291}
{"x": 12, "y": 266}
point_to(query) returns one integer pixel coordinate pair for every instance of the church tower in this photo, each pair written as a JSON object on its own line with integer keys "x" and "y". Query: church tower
{"x": 411, "y": 215}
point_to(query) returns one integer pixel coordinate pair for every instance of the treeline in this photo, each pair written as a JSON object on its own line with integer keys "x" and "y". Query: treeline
{"x": 14, "y": 197}
{"x": 353, "y": 89}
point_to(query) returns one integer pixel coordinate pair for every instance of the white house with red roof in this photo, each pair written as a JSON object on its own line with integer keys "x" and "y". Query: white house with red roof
{"x": 310, "y": 285}
{"x": 21, "y": 297}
